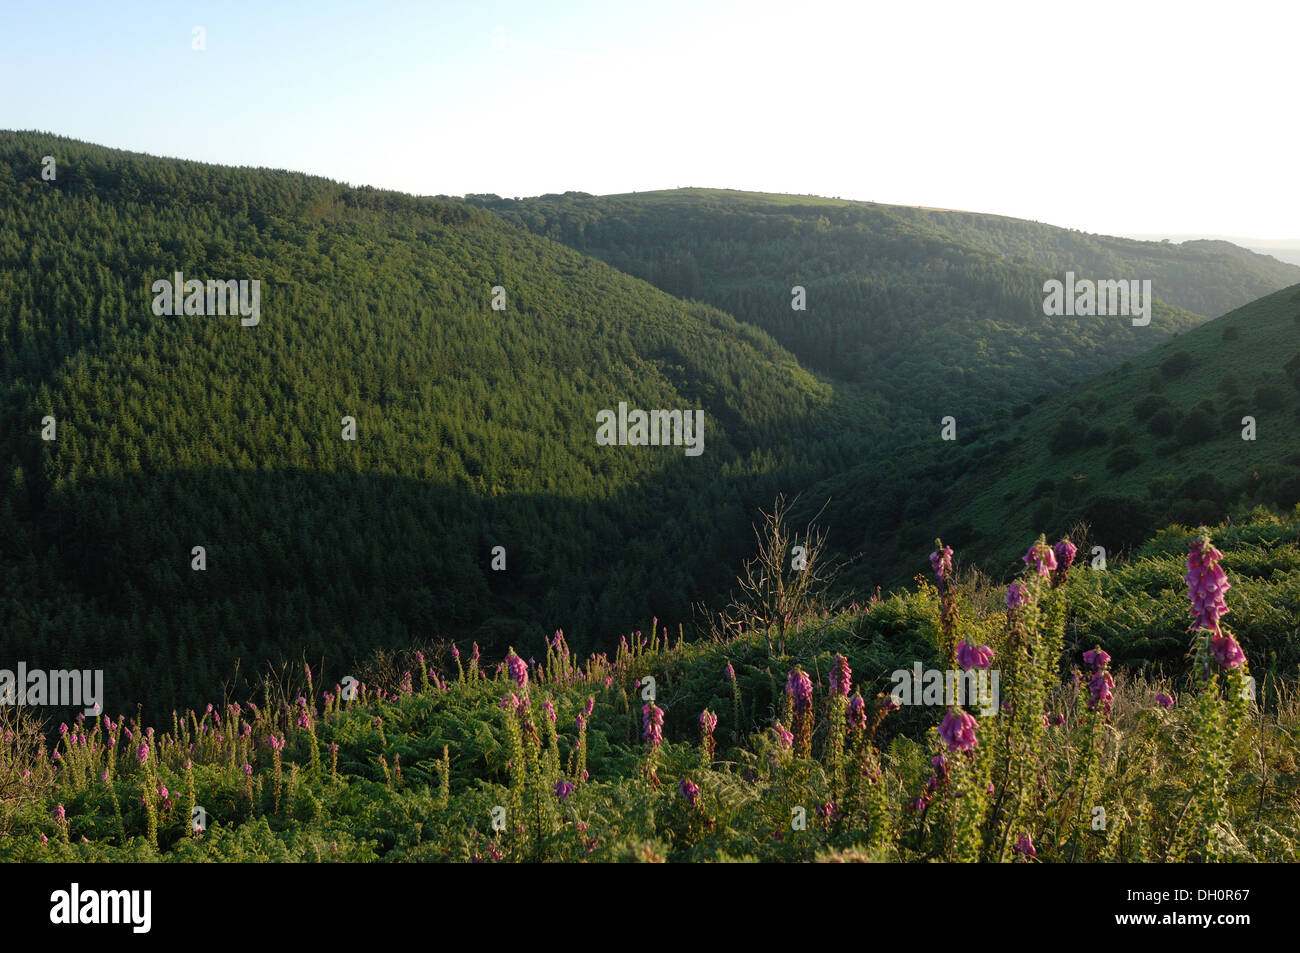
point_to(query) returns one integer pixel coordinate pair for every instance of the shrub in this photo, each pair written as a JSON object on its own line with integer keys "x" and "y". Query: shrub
{"x": 1269, "y": 397}
{"x": 1123, "y": 434}
{"x": 1148, "y": 406}
{"x": 1177, "y": 364}
{"x": 1123, "y": 459}
{"x": 1204, "y": 486}
{"x": 1163, "y": 423}
{"x": 1162, "y": 487}
{"x": 1066, "y": 437}
{"x": 1095, "y": 437}
{"x": 1196, "y": 427}
{"x": 1230, "y": 383}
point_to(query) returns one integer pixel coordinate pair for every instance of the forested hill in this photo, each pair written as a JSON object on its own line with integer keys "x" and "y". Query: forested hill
{"x": 1195, "y": 430}
{"x": 131, "y": 437}
{"x": 936, "y": 312}
{"x": 475, "y": 428}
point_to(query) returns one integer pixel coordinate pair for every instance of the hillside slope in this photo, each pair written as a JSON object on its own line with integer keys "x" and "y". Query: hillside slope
{"x": 936, "y": 312}
{"x": 474, "y": 428}
{"x": 1155, "y": 441}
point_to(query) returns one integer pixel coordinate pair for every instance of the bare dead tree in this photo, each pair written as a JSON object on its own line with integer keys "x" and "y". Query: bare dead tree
{"x": 24, "y": 777}
{"x": 788, "y": 577}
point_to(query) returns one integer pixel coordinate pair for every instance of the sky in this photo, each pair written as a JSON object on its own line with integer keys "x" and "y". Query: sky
{"x": 1110, "y": 117}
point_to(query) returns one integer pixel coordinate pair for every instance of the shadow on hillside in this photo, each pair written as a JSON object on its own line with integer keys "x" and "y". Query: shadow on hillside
{"x": 335, "y": 565}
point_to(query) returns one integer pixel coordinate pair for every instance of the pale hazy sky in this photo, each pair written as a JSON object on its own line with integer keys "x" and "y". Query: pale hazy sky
{"x": 1115, "y": 117}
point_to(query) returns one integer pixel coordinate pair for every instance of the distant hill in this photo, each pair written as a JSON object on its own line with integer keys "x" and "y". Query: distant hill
{"x": 1285, "y": 250}
{"x": 935, "y": 312}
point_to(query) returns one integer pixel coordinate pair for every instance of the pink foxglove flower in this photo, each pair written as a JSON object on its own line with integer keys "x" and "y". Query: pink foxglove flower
{"x": 1065, "y": 551}
{"x": 1206, "y": 584}
{"x": 974, "y": 656}
{"x": 653, "y": 720}
{"x": 518, "y": 670}
{"x": 1041, "y": 557}
{"x": 799, "y": 687}
{"x": 1226, "y": 650}
{"x": 1098, "y": 658}
{"x": 958, "y": 730}
{"x": 941, "y": 562}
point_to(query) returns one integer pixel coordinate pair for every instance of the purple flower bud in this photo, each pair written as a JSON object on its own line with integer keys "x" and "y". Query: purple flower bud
{"x": 841, "y": 676}
{"x": 1017, "y": 596}
{"x": 857, "y": 712}
{"x": 1164, "y": 701}
{"x": 708, "y": 721}
{"x": 690, "y": 790}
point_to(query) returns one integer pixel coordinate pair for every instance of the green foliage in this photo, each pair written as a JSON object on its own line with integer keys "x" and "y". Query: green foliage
{"x": 459, "y": 766}
{"x": 1046, "y": 479}
{"x": 894, "y": 293}
{"x": 476, "y": 428}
